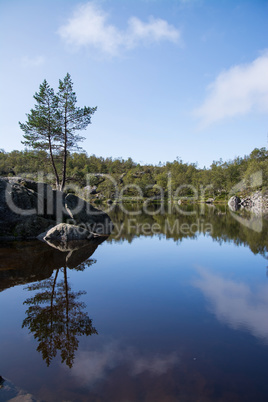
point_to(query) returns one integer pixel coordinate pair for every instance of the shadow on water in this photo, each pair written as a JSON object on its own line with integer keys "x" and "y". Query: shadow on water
{"x": 31, "y": 261}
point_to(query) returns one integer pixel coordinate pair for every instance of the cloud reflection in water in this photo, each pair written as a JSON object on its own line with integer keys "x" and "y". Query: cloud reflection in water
{"x": 92, "y": 366}
{"x": 235, "y": 303}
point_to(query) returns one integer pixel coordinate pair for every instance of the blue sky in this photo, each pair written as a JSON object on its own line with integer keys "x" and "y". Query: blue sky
{"x": 185, "y": 78}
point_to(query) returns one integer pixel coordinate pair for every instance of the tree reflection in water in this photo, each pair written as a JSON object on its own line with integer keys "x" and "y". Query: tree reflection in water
{"x": 55, "y": 314}
{"x": 56, "y": 318}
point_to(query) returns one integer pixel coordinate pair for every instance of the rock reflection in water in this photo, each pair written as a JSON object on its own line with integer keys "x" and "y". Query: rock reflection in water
{"x": 31, "y": 261}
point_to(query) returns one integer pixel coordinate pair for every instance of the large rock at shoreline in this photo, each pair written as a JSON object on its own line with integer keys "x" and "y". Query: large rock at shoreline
{"x": 256, "y": 202}
{"x": 66, "y": 232}
{"x": 28, "y": 209}
{"x": 17, "y": 204}
{"x": 234, "y": 203}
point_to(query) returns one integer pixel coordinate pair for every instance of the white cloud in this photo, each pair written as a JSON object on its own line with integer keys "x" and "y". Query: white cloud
{"x": 235, "y": 303}
{"x": 32, "y": 61}
{"x": 240, "y": 90}
{"x": 153, "y": 31}
{"x": 89, "y": 26}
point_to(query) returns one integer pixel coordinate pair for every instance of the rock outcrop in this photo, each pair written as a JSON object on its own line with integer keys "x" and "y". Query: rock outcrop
{"x": 28, "y": 209}
{"x": 257, "y": 202}
{"x": 65, "y": 232}
{"x": 234, "y": 203}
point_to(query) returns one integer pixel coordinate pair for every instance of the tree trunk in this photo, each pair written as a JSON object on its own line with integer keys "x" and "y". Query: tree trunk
{"x": 52, "y": 296}
{"x": 67, "y": 302}
{"x": 64, "y": 153}
{"x": 54, "y": 166}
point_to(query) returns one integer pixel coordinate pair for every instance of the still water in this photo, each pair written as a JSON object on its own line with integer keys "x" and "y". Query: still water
{"x": 161, "y": 312}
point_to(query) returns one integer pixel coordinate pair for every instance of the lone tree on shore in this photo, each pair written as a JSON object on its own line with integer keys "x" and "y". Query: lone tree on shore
{"x": 53, "y": 124}
{"x": 41, "y": 128}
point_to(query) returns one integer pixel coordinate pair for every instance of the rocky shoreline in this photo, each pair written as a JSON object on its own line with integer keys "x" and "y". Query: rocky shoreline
{"x": 257, "y": 202}
{"x": 30, "y": 210}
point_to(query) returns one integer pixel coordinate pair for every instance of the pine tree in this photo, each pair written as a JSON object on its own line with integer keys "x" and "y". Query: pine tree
{"x": 53, "y": 124}
{"x": 71, "y": 119}
{"x": 41, "y": 129}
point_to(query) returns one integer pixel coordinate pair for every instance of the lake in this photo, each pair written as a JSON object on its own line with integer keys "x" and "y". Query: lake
{"x": 173, "y": 306}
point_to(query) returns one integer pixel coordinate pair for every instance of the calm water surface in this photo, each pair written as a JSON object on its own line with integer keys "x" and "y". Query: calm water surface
{"x": 165, "y": 316}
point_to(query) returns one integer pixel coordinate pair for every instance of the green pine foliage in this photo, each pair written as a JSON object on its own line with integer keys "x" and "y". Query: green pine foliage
{"x": 54, "y": 123}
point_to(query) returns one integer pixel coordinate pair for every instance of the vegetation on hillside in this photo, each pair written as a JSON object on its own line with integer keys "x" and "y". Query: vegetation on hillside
{"x": 106, "y": 178}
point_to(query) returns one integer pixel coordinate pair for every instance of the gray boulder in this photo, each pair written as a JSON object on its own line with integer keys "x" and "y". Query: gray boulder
{"x": 66, "y": 232}
{"x": 234, "y": 203}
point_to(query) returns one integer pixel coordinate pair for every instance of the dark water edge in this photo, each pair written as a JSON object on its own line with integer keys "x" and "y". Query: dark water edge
{"x": 144, "y": 316}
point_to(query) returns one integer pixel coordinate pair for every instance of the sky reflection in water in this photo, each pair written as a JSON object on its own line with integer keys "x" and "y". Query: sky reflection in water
{"x": 174, "y": 320}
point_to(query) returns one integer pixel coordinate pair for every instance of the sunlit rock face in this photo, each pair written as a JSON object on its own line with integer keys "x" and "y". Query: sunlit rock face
{"x": 234, "y": 203}
{"x": 67, "y": 232}
{"x": 256, "y": 202}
